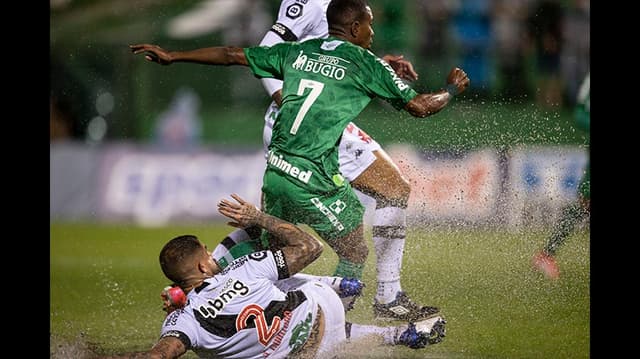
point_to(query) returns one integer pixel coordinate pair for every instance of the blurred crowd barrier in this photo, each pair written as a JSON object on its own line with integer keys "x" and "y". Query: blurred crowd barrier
{"x": 150, "y": 186}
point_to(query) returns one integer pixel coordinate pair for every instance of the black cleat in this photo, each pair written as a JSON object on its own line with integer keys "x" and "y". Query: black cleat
{"x": 403, "y": 308}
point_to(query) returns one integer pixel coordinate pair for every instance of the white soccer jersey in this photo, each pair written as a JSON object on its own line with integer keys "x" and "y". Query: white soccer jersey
{"x": 300, "y": 20}
{"x": 240, "y": 313}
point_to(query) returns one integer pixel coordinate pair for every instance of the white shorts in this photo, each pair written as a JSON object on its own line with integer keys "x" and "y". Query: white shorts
{"x": 355, "y": 151}
{"x": 333, "y": 310}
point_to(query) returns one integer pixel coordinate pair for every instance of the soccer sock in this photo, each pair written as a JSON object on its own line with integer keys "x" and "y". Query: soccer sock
{"x": 571, "y": 215}
{"x": 389, "y": 232}
{"x": 222, "y": 252}
{"x": 348, "y": 269}
{"x": 389, "y": 334}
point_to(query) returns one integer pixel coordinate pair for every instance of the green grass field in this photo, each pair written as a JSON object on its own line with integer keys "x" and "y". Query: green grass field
{"x": 105, "y": 283}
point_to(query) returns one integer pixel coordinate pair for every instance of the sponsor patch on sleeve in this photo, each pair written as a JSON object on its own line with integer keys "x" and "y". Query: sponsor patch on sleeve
{"x": 281, "y": 264}
{"x": 258, "y": 256}
{"x": 180, "y": 335}
{"x": 284, "y": 32}
{"x": 294, "y": 11}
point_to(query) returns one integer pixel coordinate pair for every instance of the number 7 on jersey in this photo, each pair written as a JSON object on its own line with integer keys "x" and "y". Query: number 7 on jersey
{"x": 316, "y": 88}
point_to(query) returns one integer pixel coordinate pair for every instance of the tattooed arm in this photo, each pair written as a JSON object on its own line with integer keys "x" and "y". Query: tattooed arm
{"x": 300, "y": 248}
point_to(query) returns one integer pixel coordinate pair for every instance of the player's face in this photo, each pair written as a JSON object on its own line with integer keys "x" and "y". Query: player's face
{"x": 213, "y": 268}
{"x": 365, "y": 33}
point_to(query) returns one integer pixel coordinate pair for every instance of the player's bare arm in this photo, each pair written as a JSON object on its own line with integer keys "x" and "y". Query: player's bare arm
{"x": 427, "y": 104}
{"x": 165, "y": 348}
{"x": 300, "y": 248}
{"x": 224, "y": 55}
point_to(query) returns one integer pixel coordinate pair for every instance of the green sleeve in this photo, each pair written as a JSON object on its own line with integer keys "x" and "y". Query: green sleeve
{"x": 267, "y": 61}
{"x": 384, "y": 83}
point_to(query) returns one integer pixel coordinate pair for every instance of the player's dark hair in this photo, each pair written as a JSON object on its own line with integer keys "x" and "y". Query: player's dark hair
{"x": 174, "y": 254}
{"x": 342, "y": 13}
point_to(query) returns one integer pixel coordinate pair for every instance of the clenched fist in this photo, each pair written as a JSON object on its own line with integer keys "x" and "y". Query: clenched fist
{"x": 458, "y": 79}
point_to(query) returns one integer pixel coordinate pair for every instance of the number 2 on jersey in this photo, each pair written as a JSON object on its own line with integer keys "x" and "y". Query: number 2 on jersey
{"x": 265, "y": 331}
{"x": 316, "y": 88}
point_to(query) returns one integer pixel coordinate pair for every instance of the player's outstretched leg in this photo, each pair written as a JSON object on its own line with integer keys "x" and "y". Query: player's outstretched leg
{"x": 383, "y": 181}
{"x": 413, "y": 335}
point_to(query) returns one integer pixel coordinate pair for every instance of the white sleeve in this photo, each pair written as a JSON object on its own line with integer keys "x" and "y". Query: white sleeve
{"x": 271, "y": 85}
{"x": 179, "y": 324}
{"x": 296, "y": 20}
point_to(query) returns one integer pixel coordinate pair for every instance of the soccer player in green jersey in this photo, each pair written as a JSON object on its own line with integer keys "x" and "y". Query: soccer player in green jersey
{"x": 545, "y": 260}
{"x": 327, "y": 83}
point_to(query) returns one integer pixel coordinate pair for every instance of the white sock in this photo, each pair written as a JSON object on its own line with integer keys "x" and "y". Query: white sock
{"x": 389, "y": 232}
{"x": 389, "y": 334}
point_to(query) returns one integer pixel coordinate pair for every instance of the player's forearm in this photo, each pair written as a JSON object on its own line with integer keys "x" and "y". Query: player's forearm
{"x": 427, "y": 104}
{"x": 300, "y": 248}
{"x": 211, "y": 56}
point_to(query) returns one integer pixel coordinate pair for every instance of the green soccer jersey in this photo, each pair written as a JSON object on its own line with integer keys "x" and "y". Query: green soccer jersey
{"x": 327, "y": 83}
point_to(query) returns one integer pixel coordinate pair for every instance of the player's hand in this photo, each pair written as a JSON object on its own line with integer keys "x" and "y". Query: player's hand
{"x": 243, "y": 213}
{"x": 402, "y": 67}
{"x": 459, "y": 79}
{"x": 153, "y": 53}
{"x": 172, "y": 298}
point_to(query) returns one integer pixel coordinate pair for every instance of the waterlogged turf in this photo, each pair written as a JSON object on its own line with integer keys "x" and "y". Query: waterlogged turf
{"x": 105, "y": 286}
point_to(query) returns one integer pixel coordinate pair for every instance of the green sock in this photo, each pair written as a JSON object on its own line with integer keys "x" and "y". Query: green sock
{"x": 348, "y": 269}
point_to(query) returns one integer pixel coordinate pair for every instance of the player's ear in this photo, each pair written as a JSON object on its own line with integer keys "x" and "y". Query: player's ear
{"x": 355, "y": 28}
{"x": 203, "y": 267}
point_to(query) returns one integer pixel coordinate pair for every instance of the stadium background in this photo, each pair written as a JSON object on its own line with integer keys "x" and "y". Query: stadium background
{"x": 113, "y": 170}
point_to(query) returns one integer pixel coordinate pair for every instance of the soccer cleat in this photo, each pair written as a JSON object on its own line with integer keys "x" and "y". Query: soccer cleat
{"x": 434, "y": 327}
{"x": 413, "y": 338}
{"x": 350, "y": 289}
{"x": 350, "y": 286}
{"x": 546, "y": 264}
{"x": 403, "y": 308}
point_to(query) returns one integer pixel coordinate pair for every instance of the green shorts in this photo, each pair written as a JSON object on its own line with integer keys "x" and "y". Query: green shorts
{"x": 313, "y": 193}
